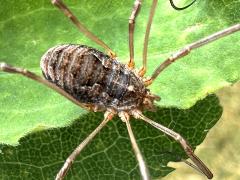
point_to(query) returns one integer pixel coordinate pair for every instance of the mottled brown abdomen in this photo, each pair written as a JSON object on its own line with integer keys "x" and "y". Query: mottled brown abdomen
{"x": 93, "y": 77}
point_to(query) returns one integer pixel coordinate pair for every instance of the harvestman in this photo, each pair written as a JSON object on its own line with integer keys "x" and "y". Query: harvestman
{"x": 115, "y": 104}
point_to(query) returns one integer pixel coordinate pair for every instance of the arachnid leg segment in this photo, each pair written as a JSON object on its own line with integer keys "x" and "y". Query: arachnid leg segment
{"x": 185, "y": 51}
{"x": 16, "y": 70}
{"x": 62, "y": 7}
{"x": 132, "y": 18}
{"x": 63, "y": 171}
{"x": 141, "y": 163}
{"x": 143, "y": 70}
{"x": 199, "y": 164}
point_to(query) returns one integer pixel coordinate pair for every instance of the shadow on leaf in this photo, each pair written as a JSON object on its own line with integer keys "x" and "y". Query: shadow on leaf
{"x": 40, "y": 155}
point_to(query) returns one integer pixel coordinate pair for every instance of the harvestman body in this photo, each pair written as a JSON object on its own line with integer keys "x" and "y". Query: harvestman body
{"x": 98, "y": 82}
{"x": 93, "y": 77}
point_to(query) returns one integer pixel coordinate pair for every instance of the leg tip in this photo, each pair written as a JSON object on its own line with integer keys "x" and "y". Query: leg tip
{"x": 54, "y": 1}
{"x": 2, "y": 65}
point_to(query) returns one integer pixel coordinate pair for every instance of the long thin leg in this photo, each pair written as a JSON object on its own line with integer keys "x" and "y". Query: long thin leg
{"x": 81, "y": 27}
{"x": 181, "y": 8}
{"x": 131, "y": 27}
{"x": 16, "y": 70}
{"x": 201, "y": 166}
{"x": 186, "y": 50}
{"x": 192, "y": 166}
{"x": 146, "y": 38}
{"x": 63, "y": 171}
{"x": 142, "y": 165}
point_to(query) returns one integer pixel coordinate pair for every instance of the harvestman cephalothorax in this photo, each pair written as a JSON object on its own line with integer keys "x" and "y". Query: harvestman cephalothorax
{"x": 98, "y": 82}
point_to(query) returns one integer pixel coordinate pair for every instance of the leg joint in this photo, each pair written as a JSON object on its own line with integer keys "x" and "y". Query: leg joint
{"x": 131, "y": 21}
{"x": 181, "y": 140}
{"x": 69, "y": 161}
{"x": 142, "y": 71}
{"x": 183, "y": 52}
{"x": 55, "y": 2}
{"x": 3, "y": 66}
{"x": 184, "y": 144}
{"x": 124, "y": 116}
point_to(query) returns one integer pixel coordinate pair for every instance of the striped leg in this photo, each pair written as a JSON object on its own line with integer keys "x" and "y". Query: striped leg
{"x": 141, "y": 163}
{"x": 81, "y": 27}
{"x": 63, "y": 171}
{"x": 186, "y": 147}
{"x": 133, "y": 16}
{"x": 186, "y": 50}
{"x": 16, "y": 70}
{"x": 146, "y": 38}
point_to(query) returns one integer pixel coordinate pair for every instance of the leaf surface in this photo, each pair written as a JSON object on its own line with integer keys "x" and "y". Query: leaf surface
{"x": 29, "y": 28}
{"x": 40, "y": 155}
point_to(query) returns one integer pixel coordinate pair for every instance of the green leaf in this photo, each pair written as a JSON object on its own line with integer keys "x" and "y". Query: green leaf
{"x": 40, "y": 155}
{"x": 29, "y": 28}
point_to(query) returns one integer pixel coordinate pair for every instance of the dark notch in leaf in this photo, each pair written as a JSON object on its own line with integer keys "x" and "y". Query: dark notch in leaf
{"x": 40, "y": 155}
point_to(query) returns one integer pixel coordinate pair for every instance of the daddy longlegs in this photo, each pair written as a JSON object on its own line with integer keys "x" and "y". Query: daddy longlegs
{"x": 116, "y": 88}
